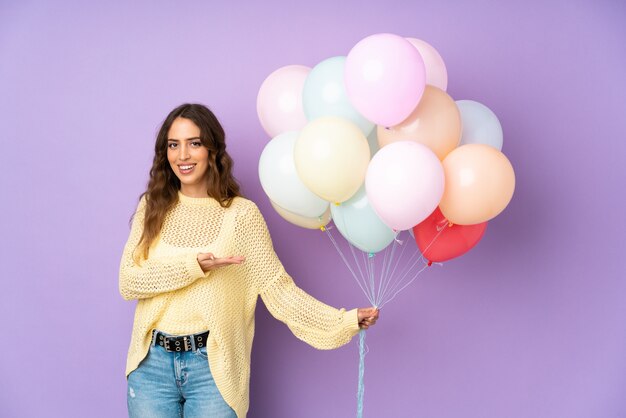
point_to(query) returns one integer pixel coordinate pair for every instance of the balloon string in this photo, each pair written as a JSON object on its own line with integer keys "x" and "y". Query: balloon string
{"x": 399, "y": 283}
{"x": 406, "y": 269}
{"x": 382, "y": 274}
{"x": 439, "y": 232}
{"x": 442, "y": 224}
{"x": 332, "y": 239}
{"x": 366, "y": 279}
{"x": 382, "y": 271}
{"x": 364, "y": 273}
{"x": 426, "y": 264}
{"x": 361, "y": 272}
{"x": 390, "y": 284}
{"x": 399, "y": 279}
{"x": 391, "y": 276}
{"x": 370, "y": 268}
{"x": 363, "y": 350}
{"x": 403, "y": 287}
{"x": 389, "y": 287}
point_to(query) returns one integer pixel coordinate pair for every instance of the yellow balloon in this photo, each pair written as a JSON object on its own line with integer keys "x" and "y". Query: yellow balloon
{"x": 331, "y": 156}
{"x": 435, "y": 122}
{"x": 479, "y": 184}
{"x": 303, "y": 221}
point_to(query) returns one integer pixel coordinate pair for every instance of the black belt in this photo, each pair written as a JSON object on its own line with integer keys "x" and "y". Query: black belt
{"x": 181, "y": 342}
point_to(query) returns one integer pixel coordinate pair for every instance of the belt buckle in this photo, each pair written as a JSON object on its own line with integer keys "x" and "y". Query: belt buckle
{"x": 186, "y": 343}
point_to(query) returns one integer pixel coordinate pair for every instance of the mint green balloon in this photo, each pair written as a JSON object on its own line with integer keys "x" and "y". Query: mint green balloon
{"x": 358, "y": 223}
{"x": 324, "y": 94}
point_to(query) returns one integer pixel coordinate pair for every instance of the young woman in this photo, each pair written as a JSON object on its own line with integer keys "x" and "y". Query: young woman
{"x": 198, "y": 257}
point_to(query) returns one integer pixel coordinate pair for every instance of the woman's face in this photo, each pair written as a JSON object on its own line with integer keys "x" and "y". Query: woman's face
{"x": 188, "y": 157}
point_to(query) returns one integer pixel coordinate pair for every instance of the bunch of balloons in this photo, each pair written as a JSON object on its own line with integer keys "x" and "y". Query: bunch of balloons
{"x": 373, "y": 141}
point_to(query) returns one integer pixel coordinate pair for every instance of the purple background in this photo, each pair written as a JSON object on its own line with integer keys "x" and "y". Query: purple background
{"x": 531, "y": 323}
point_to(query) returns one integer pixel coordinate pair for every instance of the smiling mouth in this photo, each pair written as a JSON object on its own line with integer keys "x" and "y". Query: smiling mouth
{"x": 186, "y": 169}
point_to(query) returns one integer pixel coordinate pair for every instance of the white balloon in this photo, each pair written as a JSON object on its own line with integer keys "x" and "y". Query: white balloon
{"x": 280, "y": 180}
{"x": 404, "y": 183}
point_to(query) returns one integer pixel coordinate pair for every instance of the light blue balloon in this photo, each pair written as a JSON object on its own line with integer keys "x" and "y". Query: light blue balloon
{"x": 324, "y": 94}
{"x": 480, "y": 124}
{"x": 358, "y": 223}
{"x": 372, "y": 140}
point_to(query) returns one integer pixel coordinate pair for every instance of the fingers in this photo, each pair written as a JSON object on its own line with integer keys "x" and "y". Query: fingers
{"x": 368, "y": 312}
{"x": 365, "y": 324}
{"x": 373, "y": 310}
{"x": 369, "y": 321}
{"x": 208, "y": 261}
{"x": 368, "y": 317}
{"x": 224, "y": 261}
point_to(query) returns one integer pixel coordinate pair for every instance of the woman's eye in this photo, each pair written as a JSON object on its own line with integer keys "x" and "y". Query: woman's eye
{"x": 172, "y": 145}
{"x": 196, "y": 144}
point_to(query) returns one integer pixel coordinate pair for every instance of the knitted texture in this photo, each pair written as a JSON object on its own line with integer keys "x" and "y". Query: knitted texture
{"x": 176, "y": 296}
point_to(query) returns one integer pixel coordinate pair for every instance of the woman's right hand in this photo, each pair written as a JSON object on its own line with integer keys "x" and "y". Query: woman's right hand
{"x": 209, "y": 262}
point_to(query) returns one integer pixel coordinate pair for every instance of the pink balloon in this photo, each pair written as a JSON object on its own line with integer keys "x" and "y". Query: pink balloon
{"x": 279, "y": 102}
{"x": 404, "y": 184}
{"x": 385, "y": 78}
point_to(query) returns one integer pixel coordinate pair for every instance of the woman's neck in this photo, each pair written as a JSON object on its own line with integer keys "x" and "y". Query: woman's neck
{"x": 194, "y": 190}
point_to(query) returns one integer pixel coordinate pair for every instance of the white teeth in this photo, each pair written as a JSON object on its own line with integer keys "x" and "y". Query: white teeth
{"x": 185, "y": 167}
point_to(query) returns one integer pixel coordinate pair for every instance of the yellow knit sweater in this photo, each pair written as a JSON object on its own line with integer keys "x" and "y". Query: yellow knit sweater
{"x": 177, "y": 297}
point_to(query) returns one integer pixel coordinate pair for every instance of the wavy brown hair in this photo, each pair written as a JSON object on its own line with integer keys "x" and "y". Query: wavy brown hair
{"x": 163, "y": 186}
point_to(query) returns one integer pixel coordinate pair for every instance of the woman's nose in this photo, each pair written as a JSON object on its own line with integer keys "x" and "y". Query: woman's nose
{"x": 184, "y": 152}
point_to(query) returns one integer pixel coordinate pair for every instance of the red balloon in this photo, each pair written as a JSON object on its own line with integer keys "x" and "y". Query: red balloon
{"x": 440, "y": 241}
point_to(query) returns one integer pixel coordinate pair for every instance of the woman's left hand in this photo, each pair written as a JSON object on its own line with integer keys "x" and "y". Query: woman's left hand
{"x": 209, "y": 262}
{"x": 367, "y": 317}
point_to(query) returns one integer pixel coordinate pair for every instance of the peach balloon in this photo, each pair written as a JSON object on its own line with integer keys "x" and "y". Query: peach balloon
{"x": 479, "y": 184}
{"x": 303, "y": 221}
{"x": 435, "y": 122}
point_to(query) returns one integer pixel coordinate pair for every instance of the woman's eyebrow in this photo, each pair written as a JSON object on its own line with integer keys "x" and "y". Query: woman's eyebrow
{"x": 188, "y": 139}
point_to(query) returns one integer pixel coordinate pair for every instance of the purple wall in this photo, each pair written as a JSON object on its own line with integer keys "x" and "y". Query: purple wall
{"x": 531, "y": 323}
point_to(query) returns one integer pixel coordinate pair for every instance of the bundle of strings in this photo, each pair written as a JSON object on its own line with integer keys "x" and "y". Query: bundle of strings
{"x": 398, "y": 270}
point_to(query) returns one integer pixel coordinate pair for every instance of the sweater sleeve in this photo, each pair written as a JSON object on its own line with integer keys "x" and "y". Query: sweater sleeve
{"x": 156, "y": 274}
{"x": 312, "y": 321}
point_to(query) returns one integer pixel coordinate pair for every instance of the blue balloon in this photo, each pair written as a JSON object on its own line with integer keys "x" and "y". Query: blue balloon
{"x": 372, "y": 140}
{"x": 324, "y": 94}
{"x": 358, "y": 223}
{"x": 480, "y": 124}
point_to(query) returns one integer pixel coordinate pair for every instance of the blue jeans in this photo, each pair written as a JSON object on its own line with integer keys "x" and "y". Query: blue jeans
{"x": 175, "y": 385}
